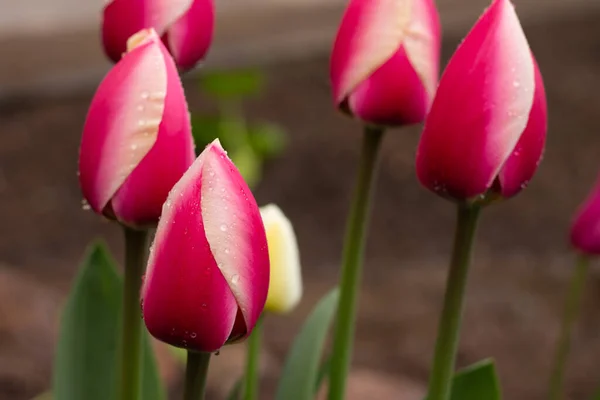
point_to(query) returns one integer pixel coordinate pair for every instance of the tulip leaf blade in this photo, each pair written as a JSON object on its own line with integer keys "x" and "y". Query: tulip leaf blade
{"x": 477, "y": 382}
{"x": 301, "y": 369}
{"x": 85, "y": 365}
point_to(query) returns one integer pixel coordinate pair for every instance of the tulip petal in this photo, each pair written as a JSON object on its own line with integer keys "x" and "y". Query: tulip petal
{"x": 285, "y": 286}
{"x": 236, "y": 233}
{"x": 367, "y": 38}
{"x": 481, "y": 107}
{"x": 386, "y": 100}
{"x": 190, "y": 36}
{"x": 123, "y": 18}
{"x": 122, "y": 123}
{"x": 423, "y": 44}
{"x": 523, "y": 162}
{"x": 187, "y": 301}
{"x": 585, "y": 231}
{"x": 140, "y": 198}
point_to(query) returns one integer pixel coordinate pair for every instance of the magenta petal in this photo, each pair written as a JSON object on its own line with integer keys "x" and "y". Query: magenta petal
{"x": 236, "y": 234}
{"x": 366, "y": 39}
{"x": 385, "y": 99}
{"x": 523, "y": 162}
{"x": 481, "y": 107}
{"x": 186, "y": 300}
{"x": 189, "y": 38}
{"x": 585, "y": 230}
{"x": 113, "y": 141}
{"x": 139, "y": 200}
{"x": 123, "y": 18}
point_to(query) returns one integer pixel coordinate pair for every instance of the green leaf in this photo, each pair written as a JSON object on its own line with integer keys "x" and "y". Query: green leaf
{"x": 205, "y": 128}
{"x": 323, "y": 374}
{"x": 267, "y": 139}
{"x": 248, "y": 163}
{"x": 300, "y": 372}
{"x": 477, "y": 382}
{"x": 232, "y": 84}
{"x": 86, "y": 359}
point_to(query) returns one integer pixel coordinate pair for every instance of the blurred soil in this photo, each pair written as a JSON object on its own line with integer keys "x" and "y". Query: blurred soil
{"x": 521, "y": 267}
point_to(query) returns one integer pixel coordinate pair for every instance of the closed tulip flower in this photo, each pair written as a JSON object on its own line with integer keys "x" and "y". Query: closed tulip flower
{"x": 186, "y": 26}
{"x": 385, "y": 60}
{"x": 208, "y": 272}
{"x": 137, "y": 139}
{"x": 585, "y": 231}
{"x": 486, "y": 130}
{"x": 285, "y": 286}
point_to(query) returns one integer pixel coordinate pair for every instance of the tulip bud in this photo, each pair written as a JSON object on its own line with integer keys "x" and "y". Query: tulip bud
{"x": 485, "y": 133}
{"x": 208, "y": 271}
{"x": 385, "y": 60}
{"x": 285, "y": 286}
{"x": 137, "y": 139}
{"x": 585, "y": 231}
{"x": 186, "y": 26}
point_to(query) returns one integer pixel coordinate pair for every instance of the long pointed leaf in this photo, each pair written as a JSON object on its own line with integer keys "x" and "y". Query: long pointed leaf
{"x": 301, "y": 368}
{"x": 86, "y": 358}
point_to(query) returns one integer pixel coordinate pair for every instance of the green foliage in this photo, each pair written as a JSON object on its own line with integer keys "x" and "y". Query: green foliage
{"x": 477, "y": 382}
{"x": 301, "y": 370}
{"x": 227, "y": 85}
{"x": 249, "y": 144}
{"x": 86, "y": 360}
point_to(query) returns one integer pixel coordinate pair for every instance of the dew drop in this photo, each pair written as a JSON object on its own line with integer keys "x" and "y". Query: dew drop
{"x": 141, "y": 122}
{"x": 227, "y": 251}
{"x": 235, "y": 279}
{"x": 134, "y": 147}
{"x": 193, "y": 335}
{"x": 85, "y": 205}
{"x": 140, "y": 107}
{"x": 223, "y": 228}
{"x": 516, "y": 84}
{"x": 145, "y": 95}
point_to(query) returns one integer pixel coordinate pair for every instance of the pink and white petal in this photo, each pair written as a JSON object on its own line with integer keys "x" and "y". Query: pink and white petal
{"x": 123, "y": 18}
{"x": 235, "y": 232}
{"x": 138, "y": 202}
{"x": 524, "y": 160}
{"x": 481, "y": 107}
{"x": 423, "y": 44}
{"x": 585, "y": 230}
{"x": 370, "y": 34}
{"x": 121, "y": 127}
{"x": 186, "y": 300}
{"x": 392, "y": 95}
{"x": 189, "y": 38}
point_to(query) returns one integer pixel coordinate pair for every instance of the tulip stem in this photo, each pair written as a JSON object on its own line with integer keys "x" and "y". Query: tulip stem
{"x": 131, "y": 340}
{"x": 352, "y": 261}
{"x": 571, "y": 311}
{"x": 442, "y": 373}
{"x": 196, "y": 372}
{"x": 252, "y": 363}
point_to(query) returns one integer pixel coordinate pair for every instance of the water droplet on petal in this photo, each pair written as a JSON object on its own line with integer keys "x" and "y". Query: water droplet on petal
{"x": 235, "y": 279}
{"x": 223, "y": 228}
{"x": 85, "y": 205}
{"x": 145, "y": 95}
{"x": 193, "y": 335}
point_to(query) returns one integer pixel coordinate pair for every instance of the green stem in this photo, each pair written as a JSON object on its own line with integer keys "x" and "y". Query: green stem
{"x": 131, "y": 340}
{"x": 196, "y": 371}
{"x": 352, "y": 261}
{"x": 440, "y": 381}
{"x": 252, "y": 363}
{"x": 571, "y": 311}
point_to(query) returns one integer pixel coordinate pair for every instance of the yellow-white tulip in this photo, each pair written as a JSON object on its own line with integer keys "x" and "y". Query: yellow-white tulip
{"x": 285, "y": 287}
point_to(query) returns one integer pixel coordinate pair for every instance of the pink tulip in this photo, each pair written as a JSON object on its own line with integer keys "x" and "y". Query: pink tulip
{"x": 487, "y": 126}
{"x": 585, "y": 231}
{"x": 137, "y": 139}
{"x": 208, "y": 273}
{"x": 186, "y": 26}
{"x": 385, "y": 60}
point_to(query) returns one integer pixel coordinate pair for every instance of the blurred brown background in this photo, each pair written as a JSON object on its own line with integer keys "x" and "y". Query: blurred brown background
{"x": 50, "y": 62}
